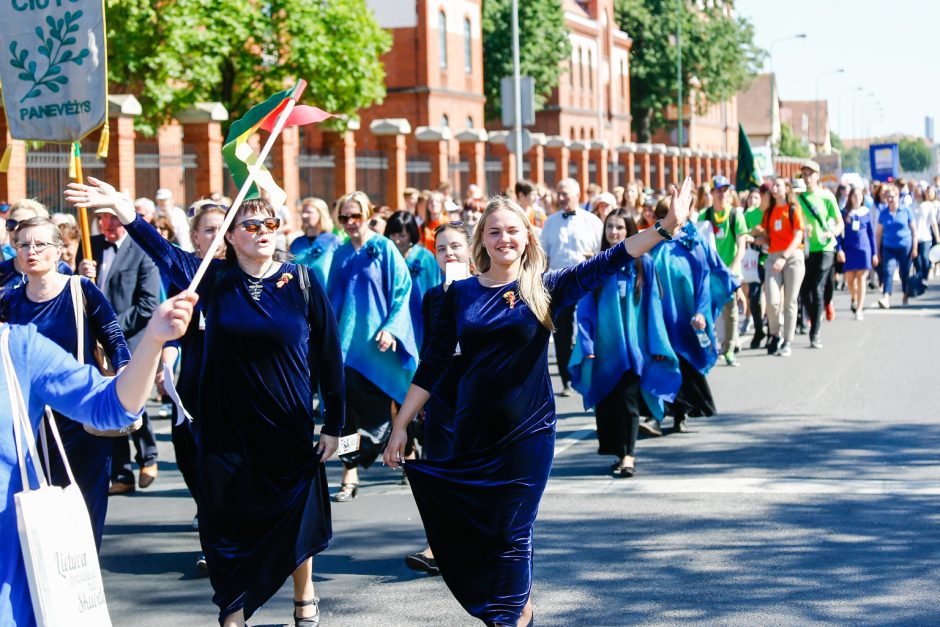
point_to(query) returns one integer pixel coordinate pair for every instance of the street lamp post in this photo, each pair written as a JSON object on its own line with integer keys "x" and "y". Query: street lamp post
{"x": 816, "y": 102}
{"x": 679, "y": 78}
{"x": 855, "y": 101}
{"x": 770, "y": 56}
{"x": 841, "y": 93}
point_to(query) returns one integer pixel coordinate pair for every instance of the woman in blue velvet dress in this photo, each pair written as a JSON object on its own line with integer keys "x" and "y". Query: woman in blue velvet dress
{"x": 46, "y": 301}
{"x": 370, "y": 291}
{"x": 622, "y": 362}
{"x": 50, "y": 376}
{"x": 479, "y": 505}
{"x": 263, "y": 497}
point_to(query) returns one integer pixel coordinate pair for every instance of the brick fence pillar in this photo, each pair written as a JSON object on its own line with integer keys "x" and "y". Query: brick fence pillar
{"x": 342, "y": 145}
{"x": 434, "y": 143}
{"x": 473, "y": 149}
{"x": 202, "y": 129}
{"x": 391, "y": 134}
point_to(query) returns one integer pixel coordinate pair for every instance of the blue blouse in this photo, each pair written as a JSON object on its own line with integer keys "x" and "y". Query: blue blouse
{"x": 896, "y": 228}
{"x": 425, "y": 274}
{"x": 316, "y": 253}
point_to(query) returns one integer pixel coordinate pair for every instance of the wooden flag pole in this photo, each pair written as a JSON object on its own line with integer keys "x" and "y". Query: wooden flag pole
{"x": 83, "y": 224}
{"x": 252, "y": 170}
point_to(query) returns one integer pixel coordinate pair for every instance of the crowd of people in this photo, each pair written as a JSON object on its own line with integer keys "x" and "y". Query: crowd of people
{"x": 424, "y": 332}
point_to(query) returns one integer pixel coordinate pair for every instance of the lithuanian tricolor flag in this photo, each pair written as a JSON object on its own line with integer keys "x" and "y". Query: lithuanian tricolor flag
{"x": 239, "y": 156}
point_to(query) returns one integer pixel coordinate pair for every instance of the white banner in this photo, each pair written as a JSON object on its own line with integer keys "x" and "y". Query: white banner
{"x": 53, "y": 68}
{"x": 763, "y": 160}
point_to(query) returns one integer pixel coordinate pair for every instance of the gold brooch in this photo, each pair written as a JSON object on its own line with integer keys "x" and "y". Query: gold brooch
{"x": 510, "y": 298}
{"x": 285, "y": 278}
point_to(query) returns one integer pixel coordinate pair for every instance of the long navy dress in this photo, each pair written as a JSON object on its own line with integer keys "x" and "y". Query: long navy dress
{"x": 262, "y": 494}
{"x": 89, "y": 455}
{"x": 478, "y": 506}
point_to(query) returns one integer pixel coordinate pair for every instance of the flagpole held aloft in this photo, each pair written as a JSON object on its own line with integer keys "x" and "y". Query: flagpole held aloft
{"x": 247, "y": 184}
{"x": 75, "y": 173}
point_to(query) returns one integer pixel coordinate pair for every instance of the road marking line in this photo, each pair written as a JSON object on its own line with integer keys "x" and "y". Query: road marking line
{"x": 583, "y": 431}
{"x": 746, "y": 485}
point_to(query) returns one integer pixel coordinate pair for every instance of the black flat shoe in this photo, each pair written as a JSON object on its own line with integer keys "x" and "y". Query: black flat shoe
{"x": 680, "y": 426}
{"x": 347, "y": 492}
{"x": 422, "y": 563}
{"x": 310, "y": 621}
{"x": 626, "y": 472}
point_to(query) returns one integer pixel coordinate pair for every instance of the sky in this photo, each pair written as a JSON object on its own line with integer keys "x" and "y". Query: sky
{"x": 889, "y": 48}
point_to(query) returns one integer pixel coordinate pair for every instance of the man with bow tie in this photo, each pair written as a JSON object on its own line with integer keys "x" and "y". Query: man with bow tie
{"x": 131, "y": 282}
{"x": 570, "y": 236}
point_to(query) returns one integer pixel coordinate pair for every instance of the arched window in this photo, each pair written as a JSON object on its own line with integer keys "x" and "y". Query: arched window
{"x": 581, "y": 68}
{"x": 469, "y": 121}
{"x": 442, "y": 38}
{"x": 445, "y": 121}
{"x": 571, "y": 71}
{"x": 590, "y": 71}
{"x": 467, "y": 46}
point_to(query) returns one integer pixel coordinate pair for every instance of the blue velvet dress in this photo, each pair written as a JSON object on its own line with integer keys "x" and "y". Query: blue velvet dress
{"x": 89, "y": 455}
{"x": 438, "y": 433}
{"x": 478, "y": 506}
{"x": 263, "y": 497}
{"x": 48, "y": 376}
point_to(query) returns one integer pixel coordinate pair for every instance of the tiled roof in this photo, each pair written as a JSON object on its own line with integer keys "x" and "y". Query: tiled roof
{"x": 754, "y": 106}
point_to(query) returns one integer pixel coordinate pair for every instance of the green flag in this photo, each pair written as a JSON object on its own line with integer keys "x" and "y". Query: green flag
{"x": 747, "y": 176}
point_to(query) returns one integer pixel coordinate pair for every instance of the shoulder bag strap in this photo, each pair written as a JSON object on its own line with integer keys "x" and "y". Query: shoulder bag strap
{"x": 50, "y": 420}
{"x": 78, "y": 304}
{"x": 25, "y": 441}
{"x": 809, "y": 207}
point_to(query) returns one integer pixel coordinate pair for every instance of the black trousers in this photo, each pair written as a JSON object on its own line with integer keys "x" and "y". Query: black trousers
{"x": 184, "y": 446}
{"x": 818, "y": 272}
{"x": 145, "y": 441}
{"x": 754, "y": 293}
{"x": 618, "y": 417}
{"x": 564, "y": 341}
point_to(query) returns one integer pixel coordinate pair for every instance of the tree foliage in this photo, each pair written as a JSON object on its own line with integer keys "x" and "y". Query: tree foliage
{"x": 172, "y": 55}
{"x": 719, "y": 57}
{"x": 914, "y": 155}
{"x": 790, "y": 145}
{"x": 543, "y": 46}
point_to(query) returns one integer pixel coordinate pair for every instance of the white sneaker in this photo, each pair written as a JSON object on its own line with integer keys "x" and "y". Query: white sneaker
{"x": 859, "y": 315}
{"x": 884, "y": 302}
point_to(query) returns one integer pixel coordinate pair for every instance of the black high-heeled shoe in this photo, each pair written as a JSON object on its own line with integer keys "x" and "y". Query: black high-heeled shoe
{"x": 310, "y": 621}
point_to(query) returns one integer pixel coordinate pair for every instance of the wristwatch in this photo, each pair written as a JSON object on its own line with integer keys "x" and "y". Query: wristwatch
{"x": 661, "y": 230}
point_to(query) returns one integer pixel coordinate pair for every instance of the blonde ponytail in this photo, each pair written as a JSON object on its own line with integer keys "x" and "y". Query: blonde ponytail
{"x": 534, "y": 262}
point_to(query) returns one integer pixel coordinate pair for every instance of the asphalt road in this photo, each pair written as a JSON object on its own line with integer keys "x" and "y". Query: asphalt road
{"x": 811, "y": 499}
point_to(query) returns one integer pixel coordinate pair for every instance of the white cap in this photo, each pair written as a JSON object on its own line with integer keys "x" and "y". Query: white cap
{"x": 163, "y": 194}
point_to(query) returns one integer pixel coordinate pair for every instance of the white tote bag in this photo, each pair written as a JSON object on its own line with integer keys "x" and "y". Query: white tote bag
{"x": 749, "y": 271}
{"x": 55, "y": 532}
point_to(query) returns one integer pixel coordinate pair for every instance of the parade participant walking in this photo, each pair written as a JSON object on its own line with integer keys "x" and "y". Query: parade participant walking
{"x": 263, "y": 497}
{"x": 316, "y": 246}
{"x": 131, "y": 283}
{"x": 925, "y": 218}
{"x": 759, "y": 202}
{"x": 895, "y": 236}
{"x": 478, "y": 505}
{"x": 48, "y": 375}
{"x": 730, "y": 231}
{"x": 625, "y": 363}
{"x": 784, "y": 269}
{"x": 859, "y": 249}
{"x": 570, "y": 236}
{"x": 823, "y": 221}
{"x": 47, "y": 301}
{"x": 402, "y": 229}
{"x": 438, "y": 434}
{"x": 12, "y": 274}
{"x": 684, "y": 267}
{"x": 432, "y": 217}
{"x": 370, "y": 291}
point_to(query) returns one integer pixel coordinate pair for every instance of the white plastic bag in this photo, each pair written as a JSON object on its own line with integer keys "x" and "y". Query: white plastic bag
{"x": 749, "y": 272}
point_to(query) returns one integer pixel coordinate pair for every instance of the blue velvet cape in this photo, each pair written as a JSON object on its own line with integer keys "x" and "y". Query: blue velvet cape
{"x": 316, "y": 254}
{"x": 425, "y": 274}
{"x": 624, "y": 335}
{"x": 370, "y": 291}
{"x": 478, "y": 506}
{"x": 48, "y": 376}
{"x": 89, "y": 455}
{"x": 683, "y": 269}
{"x": 263, "y": 498}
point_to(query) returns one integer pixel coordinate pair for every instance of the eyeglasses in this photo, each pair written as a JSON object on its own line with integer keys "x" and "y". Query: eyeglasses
{"x": 457, "y": 224}
{"x": 349, "y": 217}
{"x": 11, "y": 224}
{"x": 193, "y": 210}
{"x": 253, "y": 226}
{"x": 37, "y": 246}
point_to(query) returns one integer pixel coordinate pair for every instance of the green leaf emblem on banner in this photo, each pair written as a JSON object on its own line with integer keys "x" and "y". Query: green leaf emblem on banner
{"x": 55, "y": 47}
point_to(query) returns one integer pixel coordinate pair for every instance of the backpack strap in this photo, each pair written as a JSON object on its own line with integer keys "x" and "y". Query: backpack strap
{"x": 78, "y": 305}
{"x": 303, "y": 280}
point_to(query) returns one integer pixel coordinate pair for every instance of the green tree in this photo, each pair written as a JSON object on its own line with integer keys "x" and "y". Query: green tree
{"x": 914, "y": 155}
{"x": 718, "y": 56}
{"x": 853, "y": 159}
{"x": 543, "y": 46}
{"x": 790, "y": 145}
{"x": 172, "y": 55}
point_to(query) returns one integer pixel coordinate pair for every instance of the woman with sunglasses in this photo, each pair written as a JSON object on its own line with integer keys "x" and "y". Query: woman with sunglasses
{"x": 12, "y": 273}
{"x": 46, "y": 301}
{"x": 370, "y": 290}
{"x": 622, "y": 362}
{"x": 479, "y": 504}
{"x": 263, "y": 495}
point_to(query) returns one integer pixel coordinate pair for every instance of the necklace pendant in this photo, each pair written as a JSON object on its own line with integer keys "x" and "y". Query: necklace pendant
{"x": 254, "y": 290}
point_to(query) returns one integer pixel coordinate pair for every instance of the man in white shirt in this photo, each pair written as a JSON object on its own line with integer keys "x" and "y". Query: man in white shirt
{"x": 570, "y": 236}
{"x": 166, "y": 207}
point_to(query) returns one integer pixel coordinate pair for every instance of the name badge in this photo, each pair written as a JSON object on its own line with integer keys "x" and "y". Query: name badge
{"x": 856, "y": 225}
{"x": 721, "y": 232}
{"x": 623, "y": 288}
{"x": 348, "y": 444}
{"x": 202, "y": 321}
{"x": 778, "y": 225}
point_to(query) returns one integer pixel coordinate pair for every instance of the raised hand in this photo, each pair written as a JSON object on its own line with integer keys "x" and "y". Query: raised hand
{"x": 681, "y": 206}
{"x": 97, "y": 194}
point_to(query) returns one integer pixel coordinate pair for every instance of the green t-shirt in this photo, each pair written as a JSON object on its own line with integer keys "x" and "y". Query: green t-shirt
{"x": 827, "y": 208}
{"x": 726, "y": 234}
{"x": 755, "y": 217}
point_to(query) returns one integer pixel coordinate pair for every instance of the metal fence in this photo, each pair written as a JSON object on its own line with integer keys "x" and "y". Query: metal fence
{"x": 371, "y": 175}
{"x": 316, "y": 175}
{"x": 174, "y": 168}
{"x": 47, "y": 172}
{"x": 418, "y": 172}
{"x": 493, "y": 169}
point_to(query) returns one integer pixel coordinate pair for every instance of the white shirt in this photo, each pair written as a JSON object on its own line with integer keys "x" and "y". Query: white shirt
{"x": 569, "y": 241}
{"x": 107, "y": 260}
{"x": 925, "y": 215}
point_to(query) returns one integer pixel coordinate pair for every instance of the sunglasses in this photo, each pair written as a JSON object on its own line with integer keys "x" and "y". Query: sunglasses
{"x": 350, "y": 217}
{"x": 457, "y": 224}
{"x": 194, "y": 210}
{"x": 253, "y": 226}
{"x": 11, "y": 224}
